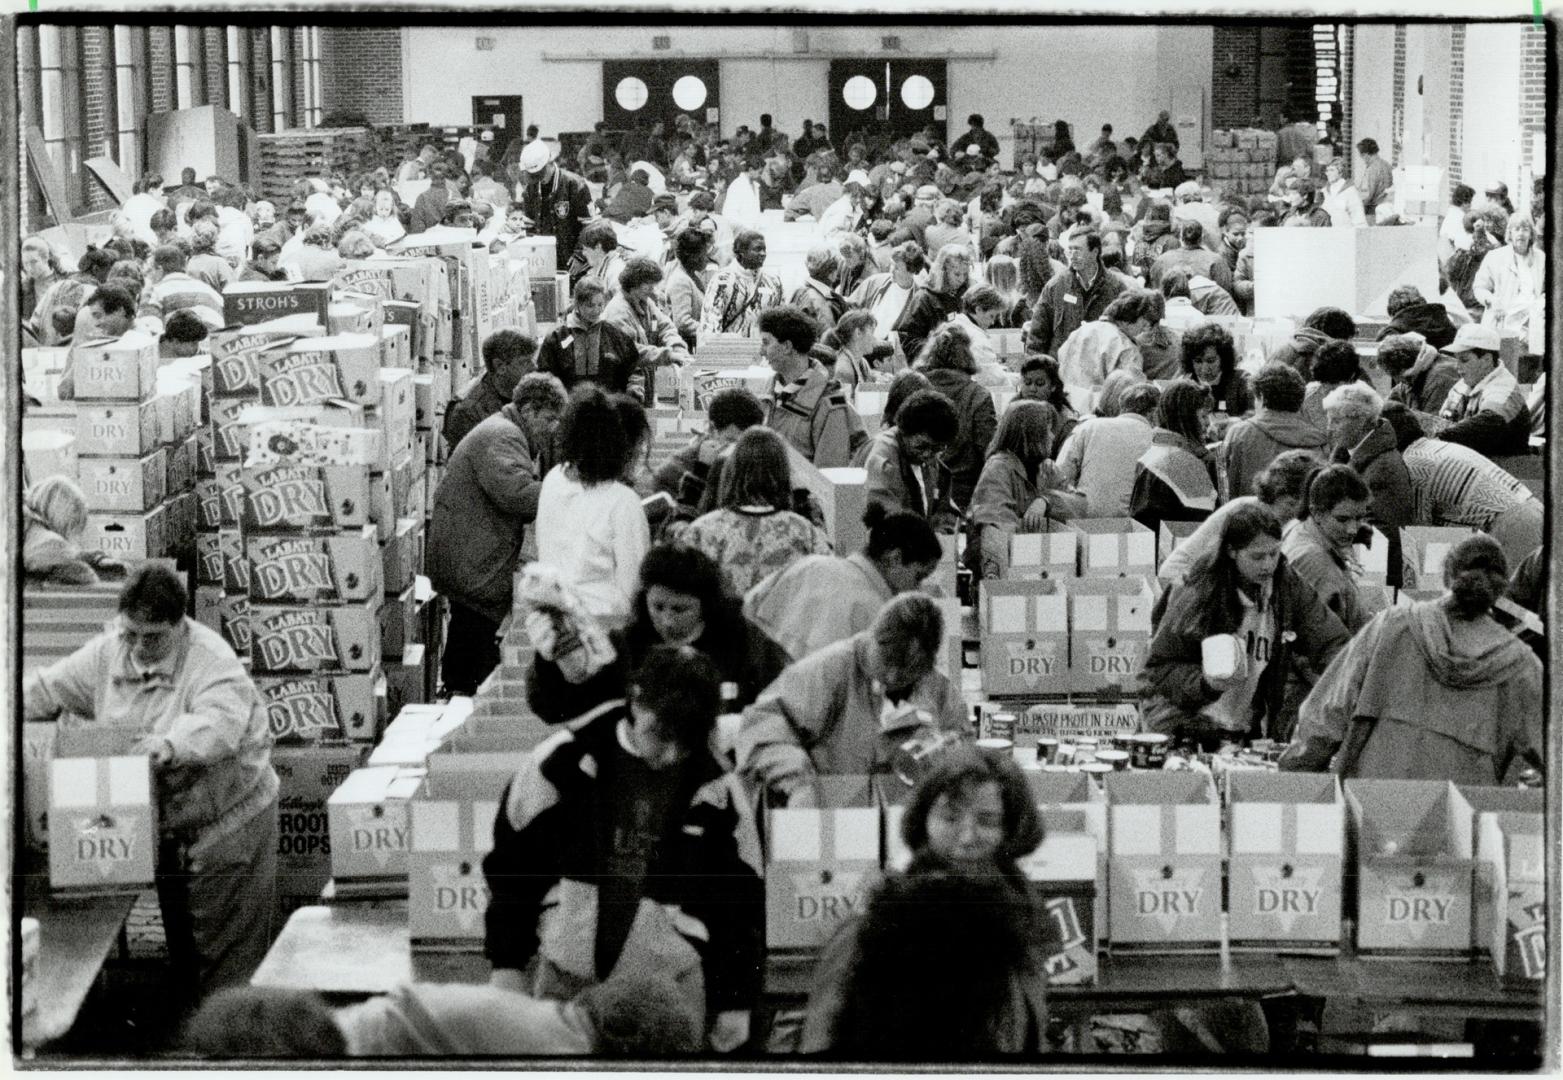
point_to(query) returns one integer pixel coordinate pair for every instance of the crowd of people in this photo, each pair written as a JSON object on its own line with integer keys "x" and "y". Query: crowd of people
{"x": 626, "y": 911}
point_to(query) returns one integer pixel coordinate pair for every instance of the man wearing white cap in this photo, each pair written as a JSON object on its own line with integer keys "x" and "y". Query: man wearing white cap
{"x": 1485, "y": 408}
{"x": 557, "y": 200}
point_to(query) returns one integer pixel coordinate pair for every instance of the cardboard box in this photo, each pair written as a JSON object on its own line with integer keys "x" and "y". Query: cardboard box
{"x": 1287, "y": 833}
{"x": 124, "y": 484}
{"x": 1424, "y": 549}
{"x": 208, "y": 598}
{"x": 233, "y": 620}
{"x": 178, "y": 401}
{"x": 1511, "y": 847}
{"x": 49, "y": 453}
{"x": 334, "y": 568}
{"x": 315, "y": 640}
{"x": 117, "y": 429}
{"x": 230, "y": 433}
{"x": 248, "y": 302}
{"x": 1109, "y": 633}
{"x": 355, "y": 313}
{"x": 1072, "y": 806}
{"x": 1412, "y": 846}
{"x": 205, "y": 456}
{"x": 406, "y": 679}
{"x": 699, "y": 387}
{"x": 236, "y": 354}
{"x": 317, "y": 370}
{"x": 1485, "y": 802}
{"x": 316, "y": 708}
{"x": 398, "y": 623}
{"x": 308, "y": 775}
{"x": 181, "y": 467}
{"x": 305, "y": 499}
{"x": 298, "y": 441}
{"x": 1171, "y": 534}
{"x": 1115, "y": 547}
{"x": 116, "y": 369}
{"x": 451, "y": 821}
{"x": 102, "y": 812}
{"x": 820, "y": 862}
{"x": 539, "y": 254}
{"x": 127, "y": 536}
{"x": 37, "y": 756}
{"x": 397, "y": 410}
{"x": 1164, "y": 862}
{"x": 1036, "y": 556}
{"x": 208, "y": 558}
{"x": 403, "y": 555}
{"x": 1024, "y": 637}
{"x": 370, "y": 830}
{"x": 236, "y": 567}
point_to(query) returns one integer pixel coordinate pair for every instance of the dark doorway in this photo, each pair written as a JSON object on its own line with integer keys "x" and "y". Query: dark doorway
{"x": 887, "y": 99}
{"x": 637, "y": 93}
{"x": 503, "y": 112}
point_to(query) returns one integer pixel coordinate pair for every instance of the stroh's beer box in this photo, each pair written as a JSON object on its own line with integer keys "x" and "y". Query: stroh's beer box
{"x": 1024, "y": 633}
{"x": 370, "y": 831}
{"x": 249, "y": 302}
{"x": 315, "y": 708}
{"x": 1164, "y": 862}
{"x": 339, "y": 568}
{"x": 305, "y": 499}
{"x": 1412, "y": 847}
{"x": 819, "y": 862}
{"x": 314, "y": 640}
{"x": 102, "y": 812}
{"x": 1287, "y": 833}
{"x": 451, "y": 822}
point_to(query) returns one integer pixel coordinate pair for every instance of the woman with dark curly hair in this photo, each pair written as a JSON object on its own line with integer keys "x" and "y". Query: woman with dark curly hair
{"x": 1210, "y": 359}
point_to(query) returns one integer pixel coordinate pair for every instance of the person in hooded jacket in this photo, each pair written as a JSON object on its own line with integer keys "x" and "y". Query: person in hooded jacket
{"x": 54, "y": 515}
{"x": 1422, "y": 376}
{"x": 1319, "y": 548}
{"x": 902, "y": 461}
{"x": 1320, "y": 326}
{"x": 949, "y": 364}
{"x": 1276, "y": 426}
{"x": 1245, "y": 589}
{"x": 1410, "y": 313}
{"x": 1432, "y": 691}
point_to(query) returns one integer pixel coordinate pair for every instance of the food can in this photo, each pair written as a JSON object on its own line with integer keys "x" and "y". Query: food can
{"x": 1000, "y": 725}
{"x": 996, "y": 746}
{"x": 1047, "y": 749}
{"x": 1149, "y": 750}
{"x": 1118, "y": 759}
{"x": 1097, "y": 770}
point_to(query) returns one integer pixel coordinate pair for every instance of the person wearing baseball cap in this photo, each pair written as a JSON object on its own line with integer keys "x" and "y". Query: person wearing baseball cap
{"x": 1485, "y": 409}
{"x": 557, "y": 200}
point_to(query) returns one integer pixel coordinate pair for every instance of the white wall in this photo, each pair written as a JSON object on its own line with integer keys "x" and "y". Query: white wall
{"x": 1086, "y": 75}
{"x": 1491, "y": 149}
{"x": 1373, "y": 88}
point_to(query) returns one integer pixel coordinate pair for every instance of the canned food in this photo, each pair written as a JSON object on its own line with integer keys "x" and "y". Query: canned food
{"x": 1149, "y": 750}
{"x": 1047, "y": 749}
{"x": 1097, "y": 770}
{"x": 997, "y": 746}
{"x": 1001, "y": 725}
{"x": 1117, "y": 759}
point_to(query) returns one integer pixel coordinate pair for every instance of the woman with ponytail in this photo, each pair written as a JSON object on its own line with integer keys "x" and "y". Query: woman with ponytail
{"x": 1432, "y": 691}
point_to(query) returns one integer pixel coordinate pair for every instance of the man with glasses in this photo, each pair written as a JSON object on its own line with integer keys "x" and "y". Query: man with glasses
{"x": 177, "y": 689}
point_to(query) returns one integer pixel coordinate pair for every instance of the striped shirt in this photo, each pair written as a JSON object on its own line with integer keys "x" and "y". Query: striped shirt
{"x": 1454, "y": 485}
{"x": 1497, "y": 392}
{"x": 178, "y": 291}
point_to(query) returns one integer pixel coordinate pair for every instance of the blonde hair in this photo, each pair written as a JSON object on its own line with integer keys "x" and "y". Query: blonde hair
{"x": 936, "y": 276}
{"x": 60, "y": 505}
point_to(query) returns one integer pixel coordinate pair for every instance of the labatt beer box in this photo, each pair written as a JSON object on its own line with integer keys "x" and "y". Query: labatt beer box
{"x": 307, "y": 776}
{"x": 314, "y": 640}
{"x": 1171, "y": 534}
{"x": 116, "y": 369}
{"x": 1115, "y": 547}
{"x": 1424, "y": 549}
{"x": 369, "y": 823}
{"x": 1412, "y": 847}
{"x": 117, "y": 429}
{"x": 305, "y": 499}
{"x": 102, "y": 812}
{"x": 819, "y": 862}
{"x": 451, "y": 823}
{"x": 1109, "y": 633}
{"x": 1163, "y": 862}
{"x": 1074, "y": 810}
{"x": 321, "y": 369}
{"x": 316, "y": 708}
{"x": 1287, "y": 833}
{"x": 1024, "y": 631}
{"x": 249, "y": 302}
{"x": 236, "y": 354}
{"x": 1484, "y": 802}
{"x": 1511, "y": 847}
{"x": 1035, "y": 556}
{"x": 334, "y": 568}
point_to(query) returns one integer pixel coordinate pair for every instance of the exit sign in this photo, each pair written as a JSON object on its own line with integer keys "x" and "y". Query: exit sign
{"x": 662, "y": 41}
{"x": 485, "y": 44}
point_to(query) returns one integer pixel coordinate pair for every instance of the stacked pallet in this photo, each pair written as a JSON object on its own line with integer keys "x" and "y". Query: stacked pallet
{"x": 1241, "y": 162}
{"x": 286, "y": 157}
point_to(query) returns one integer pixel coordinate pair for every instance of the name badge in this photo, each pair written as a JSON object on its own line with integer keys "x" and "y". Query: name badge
{"x": 567, "y": 341}
{"x": 1071, "y": 298}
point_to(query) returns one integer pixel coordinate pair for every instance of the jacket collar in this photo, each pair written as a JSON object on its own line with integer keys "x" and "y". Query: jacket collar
{"x": 125, "y": 670}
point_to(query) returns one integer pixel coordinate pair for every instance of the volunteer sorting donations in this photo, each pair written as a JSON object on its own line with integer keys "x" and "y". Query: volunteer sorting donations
{"x": 727, "y": 509}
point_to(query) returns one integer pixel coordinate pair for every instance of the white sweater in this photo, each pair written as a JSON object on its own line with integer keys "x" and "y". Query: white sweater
{"x": 596, "y": 537}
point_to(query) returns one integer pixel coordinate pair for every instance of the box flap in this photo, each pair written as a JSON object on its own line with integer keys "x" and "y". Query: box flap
{"x": 366, "y": 785}
{"x": 1062, "y": 857}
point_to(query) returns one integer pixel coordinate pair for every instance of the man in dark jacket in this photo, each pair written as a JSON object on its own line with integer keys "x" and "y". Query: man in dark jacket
{"x": 1277, "y": 425}
{"x": 624, "y": 847}
{"x": 507, "y": 355}
{"x": 1078, "y": 295}
{"x": 429, "y": 209}
{"x": 485, "y": 500}
{"x": 557, "y": 200}
{"x": 1409, "y": 312}
{"x": 1422, "y": 375}
{"x": 588, "y": 348}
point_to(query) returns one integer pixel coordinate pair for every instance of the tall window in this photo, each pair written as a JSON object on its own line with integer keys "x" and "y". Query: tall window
{"x": 128, "y": 66}
{"x": 59, "y": 69}
{"x": 281, "y": 80}
{"x": 238, "y": 100}
{"x": 184, "y": 91}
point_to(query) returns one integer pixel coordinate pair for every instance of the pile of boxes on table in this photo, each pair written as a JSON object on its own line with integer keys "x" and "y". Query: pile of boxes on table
{"x": 1241, "y": 161}
{"x": 1181, "y": 862}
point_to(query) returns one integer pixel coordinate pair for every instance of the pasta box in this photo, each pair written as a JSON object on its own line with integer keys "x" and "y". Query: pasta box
{"x": 116, "y": 369}
{"x": 1511, "y": 850}
{"x": 102, "y": 812}
{"x": 1115, "y": 547}
{"x": 1034, "y": 556}
{"x": 370, "y": 830}
{"x": 317, "y": 370}
{"x": 820, "y": 861}
{"x": 1109, "y": 633}
{"x": 1024, "y": 633}
{"x": 1072, "y": 806}
{"x": 124, "y": 484}
{"x": 1163, "y": 862}
{"x": 305, "y": 499}
{"x": 315, "y": 640}
{"x": 312, "y": 708}
{"x": 1287, "y": 836}
{"x": 1412, "y": 847}
{"x": 450, "y": 829}
{"x": 343, "y": 567}
{"x": 117, "y": 429}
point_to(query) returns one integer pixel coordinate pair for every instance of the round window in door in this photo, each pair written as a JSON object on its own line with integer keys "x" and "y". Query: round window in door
{"x": 689, "y": 93}
{"x": 631, "y": 94}
{"x": 859, "y": 92}
{"x": 917, "y": 92}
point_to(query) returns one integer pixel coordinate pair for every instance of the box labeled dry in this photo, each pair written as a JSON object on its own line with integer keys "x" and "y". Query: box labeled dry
{"x": 1412, "y": 845}
{"x": 1164, "y": 862}
{"x": 116, "y": 369}
{"x": 1287, "y": 832}
{"x": 127, "y": 536}
{"x": 305, "y": 499}
{"x": 1109, "y": 633}
{"x": 333, "y": 568}
{"x": 236, "y": 357}
{"x": 124, "y": 484}
{"x": 820, "y": 862}
{"x": 102, "y": 812}
{"x": 1034, "y": 556}
{"x": 317, "y": 370}
{"x": 1115, "y": 547}
{"x": 1025, "y": 637}
{"x": 315, "y": 640}
{"x": 370, "y": 830}
{"x": 312, "y": 708}
{"x": 451, "y": 822}
{"x": 117, "y": 429}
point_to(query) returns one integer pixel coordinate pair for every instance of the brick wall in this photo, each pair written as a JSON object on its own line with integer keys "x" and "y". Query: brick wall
{"x": 162, "y": 64}
{"x": 361, "y": 70}
{"x": 100, "y": 124}
{"x": 260, "y": 78}
{"x": 216, "y": 70}
{"x": 1533, "y": 90}
{"x": 1235, "y": 76}
{"x": 299, "y": 79}
{"x": 1397, "y": 126}
{"x": 1456, "y": 103}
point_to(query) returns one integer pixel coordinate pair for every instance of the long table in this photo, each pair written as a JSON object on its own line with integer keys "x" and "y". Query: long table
{"x": 76, "y": 934}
